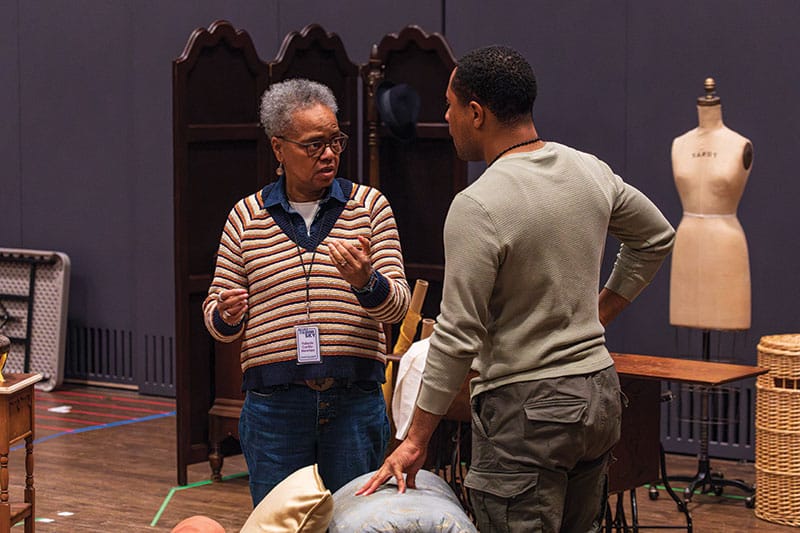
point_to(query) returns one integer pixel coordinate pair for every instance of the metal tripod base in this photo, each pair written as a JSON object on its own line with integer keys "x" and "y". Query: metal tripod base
{"x": 617, "y": 521}
{"x": 705, "y": 479}
{"x": 707, "y": 482}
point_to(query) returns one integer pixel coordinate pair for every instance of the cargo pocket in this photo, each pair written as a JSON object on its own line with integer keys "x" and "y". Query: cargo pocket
{"x": 501, "y": 484}
{"x": 477, "y": 423}
{"x": 562, "y": 410}
{"x": 505, "y": 501}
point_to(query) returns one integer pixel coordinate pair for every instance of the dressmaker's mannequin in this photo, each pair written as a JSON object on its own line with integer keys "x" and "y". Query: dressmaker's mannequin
{"x": 710, "y": 278}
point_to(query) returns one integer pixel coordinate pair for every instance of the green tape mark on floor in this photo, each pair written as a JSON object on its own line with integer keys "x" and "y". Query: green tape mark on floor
{"x": 173, "y": 490}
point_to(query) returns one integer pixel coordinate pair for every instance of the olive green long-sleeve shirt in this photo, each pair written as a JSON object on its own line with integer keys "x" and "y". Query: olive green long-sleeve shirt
{"x": 523, "y": 251}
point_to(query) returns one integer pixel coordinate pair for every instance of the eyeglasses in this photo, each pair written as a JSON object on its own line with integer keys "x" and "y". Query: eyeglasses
{"x": 316, "y": 148}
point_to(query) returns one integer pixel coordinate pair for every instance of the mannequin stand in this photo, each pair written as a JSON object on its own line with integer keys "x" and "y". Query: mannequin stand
{"x": 706, "y": 480}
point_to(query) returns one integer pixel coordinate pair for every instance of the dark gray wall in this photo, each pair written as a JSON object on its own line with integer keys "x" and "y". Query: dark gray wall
{"x": 751, "y": 51}
{"x": 10, "y": 182}
{"x": 620, "y": 79}
{"x": 86, "y": 135}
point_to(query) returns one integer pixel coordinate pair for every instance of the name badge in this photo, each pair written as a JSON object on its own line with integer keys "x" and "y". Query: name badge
{"x": 307, "y": 344}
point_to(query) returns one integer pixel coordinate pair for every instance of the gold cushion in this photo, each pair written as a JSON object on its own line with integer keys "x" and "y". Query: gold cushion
{"x": 299, "y": 503}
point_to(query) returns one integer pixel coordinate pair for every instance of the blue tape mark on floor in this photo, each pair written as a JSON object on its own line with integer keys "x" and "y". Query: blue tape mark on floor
{"x": 100, "y": 426}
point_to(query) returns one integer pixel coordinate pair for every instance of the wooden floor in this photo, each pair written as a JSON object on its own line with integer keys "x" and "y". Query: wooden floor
{"x": 105, "y": 462}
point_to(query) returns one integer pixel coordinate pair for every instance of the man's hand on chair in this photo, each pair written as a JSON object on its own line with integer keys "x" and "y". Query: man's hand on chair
{"x": 408, "y": 457}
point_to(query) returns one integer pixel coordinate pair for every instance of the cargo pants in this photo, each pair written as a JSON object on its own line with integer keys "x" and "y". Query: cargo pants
{"x": 540, "y": 453}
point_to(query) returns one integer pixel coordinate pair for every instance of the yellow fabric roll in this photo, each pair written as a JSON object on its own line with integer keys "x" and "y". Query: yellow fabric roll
{"x": 408, "y": 330}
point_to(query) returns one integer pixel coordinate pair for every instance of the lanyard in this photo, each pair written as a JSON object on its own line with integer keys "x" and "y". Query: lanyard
{"x": 306, "y": 275}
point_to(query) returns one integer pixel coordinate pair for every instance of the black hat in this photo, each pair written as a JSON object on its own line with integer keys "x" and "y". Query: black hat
{"x": 398, "y": 106}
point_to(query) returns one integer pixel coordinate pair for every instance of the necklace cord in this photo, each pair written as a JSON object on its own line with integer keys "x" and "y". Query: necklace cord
{"x": 504, "y": 152}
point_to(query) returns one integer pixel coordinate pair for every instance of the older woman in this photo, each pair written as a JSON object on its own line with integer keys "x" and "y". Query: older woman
{"x": 308, "y": 269}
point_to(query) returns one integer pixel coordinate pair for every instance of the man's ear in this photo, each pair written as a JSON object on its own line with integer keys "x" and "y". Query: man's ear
{"x": 478, "y": 114}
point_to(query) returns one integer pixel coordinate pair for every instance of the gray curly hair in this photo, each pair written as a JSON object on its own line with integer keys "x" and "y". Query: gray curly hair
{"x": 281, "y": 100}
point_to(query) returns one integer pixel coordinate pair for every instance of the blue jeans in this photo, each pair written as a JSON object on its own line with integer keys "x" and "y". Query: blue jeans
{"x": 345, "y": 430}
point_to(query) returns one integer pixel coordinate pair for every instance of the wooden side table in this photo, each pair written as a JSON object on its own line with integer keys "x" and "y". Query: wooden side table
{"x": 16, "y": 423}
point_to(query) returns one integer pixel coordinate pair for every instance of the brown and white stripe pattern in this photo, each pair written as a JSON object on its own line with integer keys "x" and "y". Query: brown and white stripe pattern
{"x": 255, "y": 254}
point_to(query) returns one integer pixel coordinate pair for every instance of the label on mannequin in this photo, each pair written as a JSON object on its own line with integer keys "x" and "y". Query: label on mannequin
{"x": 704, "y": 154}
{"x": 307, "y": 337}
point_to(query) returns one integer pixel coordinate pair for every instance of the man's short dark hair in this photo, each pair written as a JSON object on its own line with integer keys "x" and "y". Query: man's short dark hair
{"x": 499, "y": 78}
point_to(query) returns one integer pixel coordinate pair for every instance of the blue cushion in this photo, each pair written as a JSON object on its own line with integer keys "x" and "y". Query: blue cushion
{"x": 431, "y": 507}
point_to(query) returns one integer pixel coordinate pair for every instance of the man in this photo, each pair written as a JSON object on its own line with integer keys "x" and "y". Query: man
{"x": 523, "y": 250}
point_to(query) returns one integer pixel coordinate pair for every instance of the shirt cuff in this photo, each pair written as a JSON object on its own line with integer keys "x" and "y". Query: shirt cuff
{"x": 378, "y": 294}
{"x": 223, "y": 327}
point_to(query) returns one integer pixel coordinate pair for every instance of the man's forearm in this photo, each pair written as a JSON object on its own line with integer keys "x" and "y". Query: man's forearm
{"x": 611, "y": 304}
{"x": 422, "y": 427}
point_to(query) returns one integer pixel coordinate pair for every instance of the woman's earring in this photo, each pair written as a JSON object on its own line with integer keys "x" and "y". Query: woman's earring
{"x": 279, "y": 170}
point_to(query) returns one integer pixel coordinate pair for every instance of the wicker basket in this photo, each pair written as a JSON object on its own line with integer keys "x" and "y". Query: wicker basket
{"x": 778, "y": 451}
{"x": 781, "y": 354}
{"x": 778, "y": 430}
{"x": 778, "y": 498}
{"x": 778, "y": 409}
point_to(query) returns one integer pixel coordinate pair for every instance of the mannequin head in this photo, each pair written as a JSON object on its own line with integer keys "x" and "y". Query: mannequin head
{"x": 709, "y": 106}
{"x": 710, "y": 98}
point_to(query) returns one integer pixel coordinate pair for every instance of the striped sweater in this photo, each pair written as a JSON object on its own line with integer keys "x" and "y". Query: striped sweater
{"x": 257, "y": 253}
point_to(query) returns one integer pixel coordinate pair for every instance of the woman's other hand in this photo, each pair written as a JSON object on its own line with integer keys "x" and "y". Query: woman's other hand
{"x": 232, "y": 305}
{"x": 353, "y": 261}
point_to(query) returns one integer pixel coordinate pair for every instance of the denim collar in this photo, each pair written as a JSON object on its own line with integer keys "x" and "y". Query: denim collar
{"x": 276, "y": 203}
{"x": 275, "y": 194}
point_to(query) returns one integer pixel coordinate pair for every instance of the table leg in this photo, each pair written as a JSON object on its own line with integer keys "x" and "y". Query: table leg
{"x": 5, "y": 506}
{"x": 30, "y": 493}
{"x": 5, "y": 518}
{"x": 215, "y": 461}
{"x": 705, "y": 480}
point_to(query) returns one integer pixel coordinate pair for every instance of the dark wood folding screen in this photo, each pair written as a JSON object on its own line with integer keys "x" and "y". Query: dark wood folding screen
{"x": 316, "y": 55}
{"x": 419, "y": 178}
{"x": 221, "y": 155}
